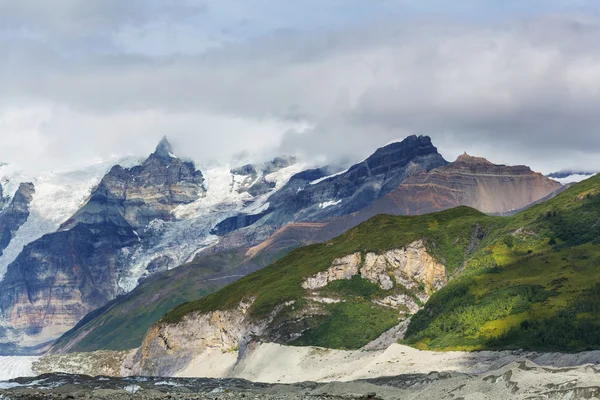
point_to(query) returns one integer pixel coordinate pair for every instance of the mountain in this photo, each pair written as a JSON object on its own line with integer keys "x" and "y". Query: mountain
{"x": 59, "y": 278}
{"x": 456, "y": 279}
{"x": 98, "y": 251}
{"x": 468, "y": 181}
{"x": 307, "y": 195}
{"x": 310, "y": 196}
{"x": 76, "y": 251}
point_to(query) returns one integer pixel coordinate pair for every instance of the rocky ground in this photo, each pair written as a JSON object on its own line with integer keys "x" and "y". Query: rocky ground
{"x": 518, "y": 380}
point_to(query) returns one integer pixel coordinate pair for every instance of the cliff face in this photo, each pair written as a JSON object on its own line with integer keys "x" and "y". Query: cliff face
{"x": 170, "y": 348}
{"x": 407, "y": 277}
{"x": 15, "y": 214}
{"x": 143, "y": 193}
{"x": 469, "y": 181}
{"x": 59, "y": 278}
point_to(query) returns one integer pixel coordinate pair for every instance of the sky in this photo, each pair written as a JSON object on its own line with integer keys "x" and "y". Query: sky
{"x": 517, "y": 82}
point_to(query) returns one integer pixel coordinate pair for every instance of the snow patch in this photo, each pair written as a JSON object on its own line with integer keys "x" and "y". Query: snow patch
{"x": 329, "y": 204}
{"x": 328, "y": 177}
{"x": 133, "y": 389}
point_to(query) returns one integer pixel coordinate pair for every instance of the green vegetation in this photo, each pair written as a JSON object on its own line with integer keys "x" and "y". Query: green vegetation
{"x": 123, "y": 323}
{"x": 450, "y": 235}
{"x": 538, "y": 290}
{"x": 350, "y": 325}
{"x": 531, "y": 280}
{"x": 282, "y": 281}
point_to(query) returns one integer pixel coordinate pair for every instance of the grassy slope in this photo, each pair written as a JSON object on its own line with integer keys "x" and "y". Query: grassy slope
{"x": 352, "y": 324}
{"x": 533, "y": 281}
{"x": 122, "y": 324}
{"x": 534, "y": 285}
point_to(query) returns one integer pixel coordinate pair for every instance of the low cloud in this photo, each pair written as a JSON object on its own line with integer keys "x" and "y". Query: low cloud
{"x": 523, "y": 91}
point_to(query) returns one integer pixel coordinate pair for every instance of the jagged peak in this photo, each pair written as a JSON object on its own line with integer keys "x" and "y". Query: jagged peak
{"x": 408, "y": 139}
{"x": 164, "y": 148}
{"x": 468, "y": 159}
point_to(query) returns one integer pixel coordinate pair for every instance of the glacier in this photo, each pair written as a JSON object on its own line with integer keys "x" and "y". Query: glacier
{"x": 16, "y": 367}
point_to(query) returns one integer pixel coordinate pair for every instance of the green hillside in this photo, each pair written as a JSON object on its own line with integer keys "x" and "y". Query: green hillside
{"x": 530, "y": 280}
{"x": 122, "y": 323}
{"x": 450, "y": 235}
{"x": 535, "y": 286}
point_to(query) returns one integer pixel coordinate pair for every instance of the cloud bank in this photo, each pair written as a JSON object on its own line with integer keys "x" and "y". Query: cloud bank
{"x": 82, "y": 82}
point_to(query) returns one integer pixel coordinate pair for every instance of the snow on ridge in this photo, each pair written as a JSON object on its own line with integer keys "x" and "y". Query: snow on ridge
{"x": 329, "y": 203}
{"x": 58, "y": 195}
{"x": 328, "y": 177}
{"x": 189, "y": 234}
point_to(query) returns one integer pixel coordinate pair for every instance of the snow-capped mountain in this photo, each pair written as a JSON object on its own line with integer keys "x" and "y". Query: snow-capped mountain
{"x": 76, "y": 240}
{"x": 92, "y": 235}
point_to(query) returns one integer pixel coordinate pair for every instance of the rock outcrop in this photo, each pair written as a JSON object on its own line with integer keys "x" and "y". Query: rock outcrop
{"x": 169, "y": 348}
{"x": 15, "y": 214}
{"x": 409, "y": 267}
{"x": 341, "y": 268}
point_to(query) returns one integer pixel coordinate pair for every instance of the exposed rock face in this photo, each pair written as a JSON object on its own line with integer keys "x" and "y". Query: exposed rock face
{"x": 143, "y": 193}
{"x": 168, "y": 348}
{"x": 469, "y": 181}
{"x": 16, "y": 214}
{"x": 59, "y": 278}
{"x": 341, "y": 268}
{"x": 399, "y": 301}
{"x": 410, "y": 267}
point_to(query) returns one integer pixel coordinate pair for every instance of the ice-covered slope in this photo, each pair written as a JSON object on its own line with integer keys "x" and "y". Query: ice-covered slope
{"x": 181, "y": 239}
{"x": 16, "y": 367}
{"x": 58, "y": 195}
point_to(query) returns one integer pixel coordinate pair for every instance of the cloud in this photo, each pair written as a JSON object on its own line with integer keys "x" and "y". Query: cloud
{"x": 520, "y": 91}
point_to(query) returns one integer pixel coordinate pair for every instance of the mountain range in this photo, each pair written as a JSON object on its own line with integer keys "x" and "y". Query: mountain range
{"x": 154, "y": 234}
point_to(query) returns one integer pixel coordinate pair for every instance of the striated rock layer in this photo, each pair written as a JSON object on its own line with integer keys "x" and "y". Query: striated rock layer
{"x": 469, "y": 181}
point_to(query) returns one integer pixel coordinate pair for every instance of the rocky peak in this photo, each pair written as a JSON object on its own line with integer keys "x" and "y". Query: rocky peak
{"x": 468, "y": 159}
{"x": 164, "y": 148}
{"x": 142, "y": 193}
{"x": 399, "y": 153}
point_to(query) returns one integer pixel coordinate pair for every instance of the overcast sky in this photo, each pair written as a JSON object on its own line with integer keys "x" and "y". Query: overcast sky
{"x": 515, "y": 81}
